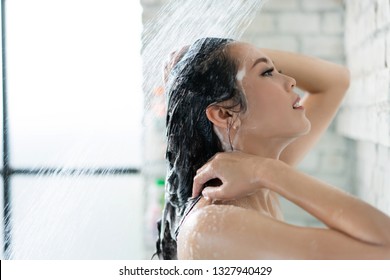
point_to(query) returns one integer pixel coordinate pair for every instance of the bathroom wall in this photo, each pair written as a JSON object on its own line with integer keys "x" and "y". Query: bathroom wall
{"x": 313, "y": 27}
{"x": 365, "y": 116}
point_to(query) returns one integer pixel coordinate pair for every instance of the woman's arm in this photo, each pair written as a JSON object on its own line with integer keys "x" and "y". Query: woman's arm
{"x": 337, "y": 209}
{"x": 242, "y": 174}
{"x": 325, "y": 84}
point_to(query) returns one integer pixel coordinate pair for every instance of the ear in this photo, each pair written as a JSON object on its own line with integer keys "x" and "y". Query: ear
{"x": 220, "y": 116}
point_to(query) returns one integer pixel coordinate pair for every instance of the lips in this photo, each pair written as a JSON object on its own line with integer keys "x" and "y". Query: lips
{"x": 296, "y": 104}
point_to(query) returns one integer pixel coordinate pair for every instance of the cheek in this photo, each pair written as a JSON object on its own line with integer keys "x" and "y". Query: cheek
{"x": 266, "y": 116}
{"x": 260, "y": 118}
{"x": 268, "y": 105}
{"x": 263, "y": 94}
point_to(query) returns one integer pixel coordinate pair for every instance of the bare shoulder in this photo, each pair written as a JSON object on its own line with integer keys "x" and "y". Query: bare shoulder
{"x": 220, "y": 232}
{"x": 231, "y": 232}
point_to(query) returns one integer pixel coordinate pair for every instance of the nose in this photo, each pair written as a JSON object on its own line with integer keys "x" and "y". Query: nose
{"x": 290, "y": 83}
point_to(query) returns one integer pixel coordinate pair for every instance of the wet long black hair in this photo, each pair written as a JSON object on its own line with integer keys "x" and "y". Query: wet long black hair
{"x": 205, "y": 74}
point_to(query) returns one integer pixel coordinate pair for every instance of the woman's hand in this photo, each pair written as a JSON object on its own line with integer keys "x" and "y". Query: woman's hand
{"x": 239, "y": 175}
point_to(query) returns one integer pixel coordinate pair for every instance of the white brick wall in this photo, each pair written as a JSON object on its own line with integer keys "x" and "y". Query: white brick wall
{"x": 281, "y": 5}
{"x": 299, "y": 23}
{"x": 328, "y": 47}
{"x": 311, "y": 27}
{"x": 373, "y": 171}
{"x": 321, "y": 5}
{"x": 365, "y": 116}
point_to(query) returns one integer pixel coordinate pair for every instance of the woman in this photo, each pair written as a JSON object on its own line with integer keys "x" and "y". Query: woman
{"x": 235, "y": 130}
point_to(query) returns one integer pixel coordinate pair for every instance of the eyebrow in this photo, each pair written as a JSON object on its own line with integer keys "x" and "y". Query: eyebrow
{"x": 261, "y": 59}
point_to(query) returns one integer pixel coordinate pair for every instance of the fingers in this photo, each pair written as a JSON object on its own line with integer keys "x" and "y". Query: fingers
{"x": 224, "y": 178}
{"x": 213, "y": 193}
{"x": 203, "y": 175}
{"x": 209, "y": 171}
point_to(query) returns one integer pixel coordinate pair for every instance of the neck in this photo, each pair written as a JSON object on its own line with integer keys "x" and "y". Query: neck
{"x": 264, "y": 200}
{"x": 267, "y": 148}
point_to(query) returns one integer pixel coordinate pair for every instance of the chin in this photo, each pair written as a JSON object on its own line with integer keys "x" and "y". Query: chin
{"x": 306, "y": 129}
{"x": 303, "y": 130}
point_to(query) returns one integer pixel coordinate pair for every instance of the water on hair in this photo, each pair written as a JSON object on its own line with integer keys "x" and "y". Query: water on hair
{"x": 180, "y": 23}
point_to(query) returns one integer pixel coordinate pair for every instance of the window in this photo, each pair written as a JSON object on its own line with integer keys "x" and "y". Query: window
{"x": 72, "y": 129}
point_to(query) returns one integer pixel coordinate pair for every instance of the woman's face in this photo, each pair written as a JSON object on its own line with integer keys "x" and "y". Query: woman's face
{"x": 271, "y": 111}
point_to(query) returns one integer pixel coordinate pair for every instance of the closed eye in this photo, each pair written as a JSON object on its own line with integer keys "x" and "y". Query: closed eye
{"x": 268, "y": 72}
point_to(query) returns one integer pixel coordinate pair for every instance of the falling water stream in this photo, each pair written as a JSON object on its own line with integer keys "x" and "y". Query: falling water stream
{"x": 181, "y": 22}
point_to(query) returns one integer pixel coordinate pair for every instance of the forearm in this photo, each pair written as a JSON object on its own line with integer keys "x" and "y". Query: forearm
{"x": 312, "y": 74}
{"x": 335, "y": 208}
